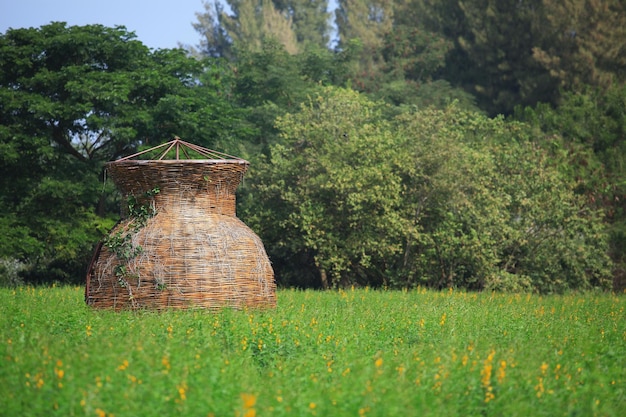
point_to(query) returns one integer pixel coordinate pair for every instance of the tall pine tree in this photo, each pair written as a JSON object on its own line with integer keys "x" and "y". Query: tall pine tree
{"x": 511, "y": 52}
{"x": 586, "y": 43}
{"x": 295, "y": 24}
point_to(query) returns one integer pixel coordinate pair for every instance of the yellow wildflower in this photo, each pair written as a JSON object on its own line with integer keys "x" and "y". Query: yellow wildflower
{"x": 165, "y": 361}
{"x": 249, "y": 400}
{"x": 123, "y": 366}
{"x": 501, "y": 371}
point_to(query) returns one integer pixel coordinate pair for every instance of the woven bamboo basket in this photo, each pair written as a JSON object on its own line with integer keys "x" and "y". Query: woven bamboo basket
{"x": 179, "y": 243}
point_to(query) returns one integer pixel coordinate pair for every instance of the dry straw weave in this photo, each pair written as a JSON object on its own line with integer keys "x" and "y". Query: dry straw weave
{"x": 193, "y": 253}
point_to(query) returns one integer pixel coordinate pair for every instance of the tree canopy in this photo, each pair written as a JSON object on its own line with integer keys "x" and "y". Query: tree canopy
{"x": 436, "y": 197}
{"x": 294, "y": 24}
{"x": 71, "y": 99}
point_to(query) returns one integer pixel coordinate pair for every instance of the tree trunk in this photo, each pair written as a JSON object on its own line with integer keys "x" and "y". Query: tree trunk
{"x": 324, "y": 278}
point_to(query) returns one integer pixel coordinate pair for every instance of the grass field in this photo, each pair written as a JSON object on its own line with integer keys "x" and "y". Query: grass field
{"x": 347, "y": 353}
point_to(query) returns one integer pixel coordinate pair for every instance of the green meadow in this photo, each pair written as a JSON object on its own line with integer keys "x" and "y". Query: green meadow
{"x": 337, "y": 353}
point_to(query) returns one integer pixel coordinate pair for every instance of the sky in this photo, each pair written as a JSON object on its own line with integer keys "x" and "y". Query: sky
{"x": 157, "y": 23}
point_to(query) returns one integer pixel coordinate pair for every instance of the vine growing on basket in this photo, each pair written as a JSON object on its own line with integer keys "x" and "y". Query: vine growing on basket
{"x": 121, "y": 244}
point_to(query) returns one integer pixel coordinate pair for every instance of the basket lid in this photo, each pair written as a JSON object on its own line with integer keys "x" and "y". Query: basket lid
{"x": 189, "y": 151}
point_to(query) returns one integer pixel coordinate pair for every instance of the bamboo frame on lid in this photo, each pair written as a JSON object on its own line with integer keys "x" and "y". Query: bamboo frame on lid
{"x": 180, "y": 145}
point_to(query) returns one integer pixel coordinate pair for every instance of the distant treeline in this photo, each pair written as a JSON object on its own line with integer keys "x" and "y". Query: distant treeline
{"x": 462, "y": 144}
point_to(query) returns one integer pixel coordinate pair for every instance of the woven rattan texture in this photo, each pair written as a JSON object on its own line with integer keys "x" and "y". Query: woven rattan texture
{"x": 194, "y": 252}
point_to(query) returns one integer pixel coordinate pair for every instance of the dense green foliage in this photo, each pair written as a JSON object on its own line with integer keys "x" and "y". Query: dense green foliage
{"x": 345, "y": 353}
{"x": 295, "y": 24}
{"x": 437, "y": 197}
{"x": 512, "y": 52}
{"x": 379, "y": 152}
{"x": 71, "y": 99}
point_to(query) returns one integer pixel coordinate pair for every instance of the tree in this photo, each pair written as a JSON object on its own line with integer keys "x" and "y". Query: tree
{"x": 271, "y": 82}
{"x": 71, "y": 99}
{"x": 585, "y": 45}
{"x": 397, "y": 60}
{"x": 494, "y": 53}
{"x": 511, "y": 52}
{"x": 588, "y": 129}
{"x": 310, "y": 21}
{"x": 327, "y": 197}
{"x": 410, "y": 74}
{"x": 294, "y": 24}
{"x": 214, "y": 39}
{"x": 256, "y": 21}
{"x": 491, "y": 209}
{"x": 440, "y": 198}
{"x": 367, "y": 20}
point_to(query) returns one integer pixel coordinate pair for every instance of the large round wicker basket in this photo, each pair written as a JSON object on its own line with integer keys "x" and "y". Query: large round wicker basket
{"x": 180, "y": 244}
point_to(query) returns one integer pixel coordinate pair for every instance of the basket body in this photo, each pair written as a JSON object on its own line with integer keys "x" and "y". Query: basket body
{"x": 190, "y": 251}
